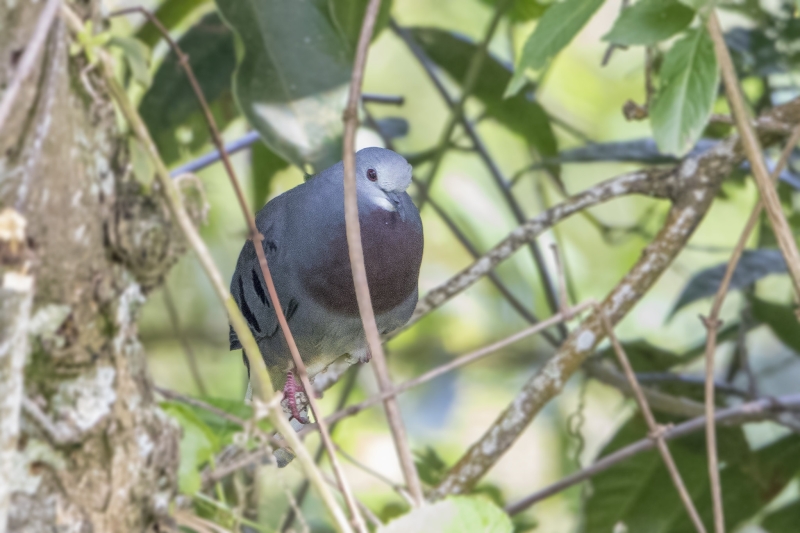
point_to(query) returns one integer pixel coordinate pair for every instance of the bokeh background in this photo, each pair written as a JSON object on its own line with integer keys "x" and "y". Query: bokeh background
{"x": 449, "y": 413}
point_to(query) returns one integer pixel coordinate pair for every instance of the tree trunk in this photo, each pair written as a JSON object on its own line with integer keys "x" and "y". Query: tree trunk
{"x": 94, "y": 452}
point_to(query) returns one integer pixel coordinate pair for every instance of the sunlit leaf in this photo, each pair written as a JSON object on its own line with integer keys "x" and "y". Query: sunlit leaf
{"x": 348, "y": 16}
{"x": 522, "y": 115}
{"x": 753, "y": 266}
{"x": 137, "y": 55}
{"x": 198, "y": 445}
{"x": 553, "y": 32}
{"x": 456, "y": 514}
{"x": 292, "y": 77}
{"x": 781, "y": 319}
{"x": 170, "y": 108}
{"x": 650, "y": 21}
{"x": 523, "y": 10}
{"x": 689, "y": 79}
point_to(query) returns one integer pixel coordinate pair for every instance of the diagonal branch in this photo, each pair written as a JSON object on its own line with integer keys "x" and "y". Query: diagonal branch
{"x": 695, "y": 183}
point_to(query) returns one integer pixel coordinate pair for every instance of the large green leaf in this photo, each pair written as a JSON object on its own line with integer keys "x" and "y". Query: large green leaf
{"x": 293, "y": 76}
{"x": 784, "y": 520}
{"x": 456, "y": 514}
{"x": 650, "y": 21}
{"x": 521, "y": 114}
{"x": 553, "y": 32}
{"x": 171, "y": 103}
{"x": 781, "y": 319}
{"x": 640, "y": 494}
{"x": 683, "y": 104}
{"x": 170, "y": 13}
{"x": 348, "y": 15}
{"x": 753, "y": 266}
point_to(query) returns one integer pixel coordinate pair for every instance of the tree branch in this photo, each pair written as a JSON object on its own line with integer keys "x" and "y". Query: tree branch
{"x": 695, "y": 183}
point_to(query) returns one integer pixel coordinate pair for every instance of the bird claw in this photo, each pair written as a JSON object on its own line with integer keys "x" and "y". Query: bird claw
{"x": 290, "y": 390}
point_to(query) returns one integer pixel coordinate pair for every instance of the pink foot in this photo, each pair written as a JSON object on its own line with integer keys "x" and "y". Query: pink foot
{"x": 367, "y": 357}
{"x": 290, "y": 390}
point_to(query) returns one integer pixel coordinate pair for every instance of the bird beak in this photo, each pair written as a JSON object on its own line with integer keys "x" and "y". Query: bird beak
{"x": 397, "y": 203}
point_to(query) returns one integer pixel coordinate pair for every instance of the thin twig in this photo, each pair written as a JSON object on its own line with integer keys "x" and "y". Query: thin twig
{"x": 172, "y": 312}
{"x": 755, "y": 411}
{"x": 387, "y": 99}
{"x": 753, "y": 150}
{"x": 456, "y": 363}
{"x": 518, "y": 306}
{"x": 656, "y": 431}
{"x": 356, "y": 253}
{"x": 377, "y": 475}
{"x": 257, "y": 238}
{"x": 262, "y": 381}
{"x": 713, "y": 323}
{"x": 457, "y": 109}
{"x": 28, "y": 59}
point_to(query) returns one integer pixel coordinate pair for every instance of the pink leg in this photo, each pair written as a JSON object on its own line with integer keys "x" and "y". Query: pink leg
{"x": 367, "y": 357}
{"x": 289, "y": 390}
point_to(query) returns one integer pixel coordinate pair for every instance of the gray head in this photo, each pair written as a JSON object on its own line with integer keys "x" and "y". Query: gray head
{"x": 382, "y": 175}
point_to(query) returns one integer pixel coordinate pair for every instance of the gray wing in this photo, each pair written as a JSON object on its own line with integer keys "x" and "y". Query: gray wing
{"x": 248, "y": 287}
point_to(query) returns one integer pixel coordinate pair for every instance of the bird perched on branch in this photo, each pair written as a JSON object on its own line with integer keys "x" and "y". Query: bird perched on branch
{"x": 306, "y": 248}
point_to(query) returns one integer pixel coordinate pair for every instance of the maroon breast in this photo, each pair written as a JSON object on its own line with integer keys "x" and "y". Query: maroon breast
{"x": 392, "y": 256}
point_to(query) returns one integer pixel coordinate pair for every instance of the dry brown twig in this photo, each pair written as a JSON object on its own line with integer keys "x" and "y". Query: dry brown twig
{"x": 780, "y": 226}
{"x": 656, "y": 430}
{"x": 257, "y": 238}
{"x": 356, "y": 251}
{"x": 172, "y": 196}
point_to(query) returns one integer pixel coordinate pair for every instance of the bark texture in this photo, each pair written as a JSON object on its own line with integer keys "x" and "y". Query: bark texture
{"x": 94, "y": 453}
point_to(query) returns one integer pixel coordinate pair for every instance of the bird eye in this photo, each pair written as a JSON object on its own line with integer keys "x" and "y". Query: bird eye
{"x": 372, "y": 174}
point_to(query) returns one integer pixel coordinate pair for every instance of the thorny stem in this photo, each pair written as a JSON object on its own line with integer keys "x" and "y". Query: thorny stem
{"x": 172, "y": 196}
{"x": 356, "y": 253}
{"x": 257, "y": 238}
{"x": 656, "y": 431}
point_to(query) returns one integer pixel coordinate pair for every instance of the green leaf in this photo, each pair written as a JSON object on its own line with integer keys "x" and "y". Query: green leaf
{"x": 170, "y": 13}
{"x": 137, "y": 55}
{"x": 753, "y": 266}
{"x": 430, "y": 466}
{"x": 198, "y": 445}
{"x": 143, "y": 169}
{"x": 523, "y": 10}
{"x": 784, "y": 520}
{"x": 292, "y": 77}
{"x": 553, "y": 32}
{"x": 781, "y": 319}
{"x": 265, "y": 164}
{"x": 170, "y": 106}
{"x": 650, "y": 21}
{"x": 522, "y": 115}
{"x": 456, "y": 514}
{"x": 689, "y": 80}
{"x": 348, "y": 15}
{"x": 639, "y": 493}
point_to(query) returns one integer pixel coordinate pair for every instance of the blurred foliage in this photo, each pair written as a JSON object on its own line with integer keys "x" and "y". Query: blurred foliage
{"x": 544, "y": 107}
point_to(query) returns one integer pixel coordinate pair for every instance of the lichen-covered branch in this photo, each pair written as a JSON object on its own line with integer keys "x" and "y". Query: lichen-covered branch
{"x": 693, "y": 186}
{"x": 16, "y": 299}
{"x": 653, "y": 182}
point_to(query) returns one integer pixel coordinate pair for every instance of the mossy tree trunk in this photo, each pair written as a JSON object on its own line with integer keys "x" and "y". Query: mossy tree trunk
{"x": 93, "y": 451}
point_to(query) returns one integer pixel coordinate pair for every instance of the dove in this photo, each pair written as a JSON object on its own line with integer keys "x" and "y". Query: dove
{"x": 305, "y": 244}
